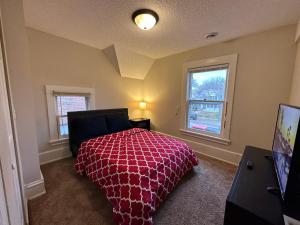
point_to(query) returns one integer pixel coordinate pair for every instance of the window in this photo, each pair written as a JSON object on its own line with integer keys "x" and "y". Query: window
{"x": 60, "y": 101}
{"x": 209, "y": 95}
{"x": 68, "y": 103}
{"x": 206, "y": 99}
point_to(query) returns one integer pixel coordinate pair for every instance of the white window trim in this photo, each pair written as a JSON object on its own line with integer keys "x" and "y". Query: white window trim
{"x": 231, "y": 60}
{"x": 54, "y": 137}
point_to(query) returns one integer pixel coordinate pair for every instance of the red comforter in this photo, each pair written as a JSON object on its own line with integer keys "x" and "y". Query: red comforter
{"x": 136, "y": 169}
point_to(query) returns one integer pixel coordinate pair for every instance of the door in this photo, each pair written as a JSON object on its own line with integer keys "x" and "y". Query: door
{"x": 11, "y": 210}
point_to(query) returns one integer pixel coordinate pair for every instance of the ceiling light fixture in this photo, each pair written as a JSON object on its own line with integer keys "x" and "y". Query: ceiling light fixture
{"x": 211, "y": 35}
{"x": 145, "y": 19}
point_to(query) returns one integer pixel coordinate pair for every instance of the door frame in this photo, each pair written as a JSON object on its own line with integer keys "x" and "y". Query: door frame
{"x": 16, "y": 202}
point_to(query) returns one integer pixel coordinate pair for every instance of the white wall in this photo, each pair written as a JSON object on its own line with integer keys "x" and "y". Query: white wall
{"x": 58, "y": 61}
{"x": 264, "y": 75}
{"x": 18, "y": 69}
{"x": 263, "y": 80}
{"x": 295, "y": 90}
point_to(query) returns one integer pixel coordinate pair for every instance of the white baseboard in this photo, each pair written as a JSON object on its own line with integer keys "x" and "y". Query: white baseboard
{"x": 54, "y": 155}
{"x": 35, "y": 188}
{"x": 210, "y": 151}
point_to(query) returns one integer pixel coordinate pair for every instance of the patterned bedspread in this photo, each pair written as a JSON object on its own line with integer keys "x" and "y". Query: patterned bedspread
{"x": 136, "y": 169}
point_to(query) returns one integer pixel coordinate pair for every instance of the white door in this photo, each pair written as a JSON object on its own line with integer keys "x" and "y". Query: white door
{"x": 10, "y": 187}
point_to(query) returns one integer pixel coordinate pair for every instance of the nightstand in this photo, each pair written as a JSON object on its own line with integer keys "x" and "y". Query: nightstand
{"x": 140, "y": 123}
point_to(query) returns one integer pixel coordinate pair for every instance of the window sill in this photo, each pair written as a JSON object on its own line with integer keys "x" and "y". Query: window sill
{"x": 61, "y": 141}
{"x": 219, "y": 140}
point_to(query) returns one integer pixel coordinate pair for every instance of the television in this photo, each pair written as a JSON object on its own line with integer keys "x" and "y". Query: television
{"x": 286, "y": 152}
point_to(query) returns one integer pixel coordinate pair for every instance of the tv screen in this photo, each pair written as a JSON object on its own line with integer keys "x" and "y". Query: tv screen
{"x": 284, "y": 142}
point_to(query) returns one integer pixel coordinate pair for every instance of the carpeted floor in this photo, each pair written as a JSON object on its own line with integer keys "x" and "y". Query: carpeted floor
{"x": 71, "y": 199}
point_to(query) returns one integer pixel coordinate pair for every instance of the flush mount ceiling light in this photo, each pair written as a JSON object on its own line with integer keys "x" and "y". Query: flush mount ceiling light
{"x": 145, "y": 19}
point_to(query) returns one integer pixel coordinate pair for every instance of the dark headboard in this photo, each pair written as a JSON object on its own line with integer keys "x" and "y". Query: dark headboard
{"x": 88, "y": 118}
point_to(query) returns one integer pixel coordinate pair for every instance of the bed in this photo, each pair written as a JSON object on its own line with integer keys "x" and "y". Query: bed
{"x": 135, "y": 168}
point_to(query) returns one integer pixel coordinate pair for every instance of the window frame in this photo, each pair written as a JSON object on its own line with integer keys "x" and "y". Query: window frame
{"x": 199, "y": 65}
{"x": 54, "y": 135}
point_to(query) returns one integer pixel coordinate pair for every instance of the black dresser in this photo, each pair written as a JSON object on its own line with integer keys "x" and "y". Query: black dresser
{"x": 248, "y": 202}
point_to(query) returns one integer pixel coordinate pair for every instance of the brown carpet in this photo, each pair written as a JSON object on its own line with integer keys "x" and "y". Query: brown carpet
{"x": 71, "y": 199}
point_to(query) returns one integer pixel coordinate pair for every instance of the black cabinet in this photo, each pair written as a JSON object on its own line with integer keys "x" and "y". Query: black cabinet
{"x": 140, "y": 123}
{"x": 248, "y": 202}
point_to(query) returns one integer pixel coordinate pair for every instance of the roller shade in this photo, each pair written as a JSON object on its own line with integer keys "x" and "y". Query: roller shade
{"x": 55, "y": 93}
{"x": 209, "y": 68}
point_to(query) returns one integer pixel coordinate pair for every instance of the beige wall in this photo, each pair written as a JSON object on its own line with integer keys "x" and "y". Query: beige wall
{"x": 57, "y": 61}
{"x": 264, "y": 74}
{"x": 18, "y": 68}
{"x": 295, "y": 91}
{"x": 263, "y": 80}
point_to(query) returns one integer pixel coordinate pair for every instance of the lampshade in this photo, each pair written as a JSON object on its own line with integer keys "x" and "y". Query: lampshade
{"x": 145, "y": 19}
{"x": 142, "y": 105}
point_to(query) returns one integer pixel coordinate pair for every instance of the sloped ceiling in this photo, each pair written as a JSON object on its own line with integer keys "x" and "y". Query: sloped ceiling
{"x": 182, "y": 24}
{"x": 128, "y": 63}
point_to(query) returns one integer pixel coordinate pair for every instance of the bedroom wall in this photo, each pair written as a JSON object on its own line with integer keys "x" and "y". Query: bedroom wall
{"x": 295, "y": 91}
{"x": 20, "y": 82}
{"x": 263, "y": 80}
{"x": 57, "y": 61}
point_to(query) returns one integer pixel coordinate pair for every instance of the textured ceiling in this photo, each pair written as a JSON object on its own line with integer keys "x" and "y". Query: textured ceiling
{"x": 182, "y": 24}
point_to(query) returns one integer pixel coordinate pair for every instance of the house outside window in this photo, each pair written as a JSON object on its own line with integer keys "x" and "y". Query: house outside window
{"x": 60, "y": 101}
{"x": 209, "y": 88}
